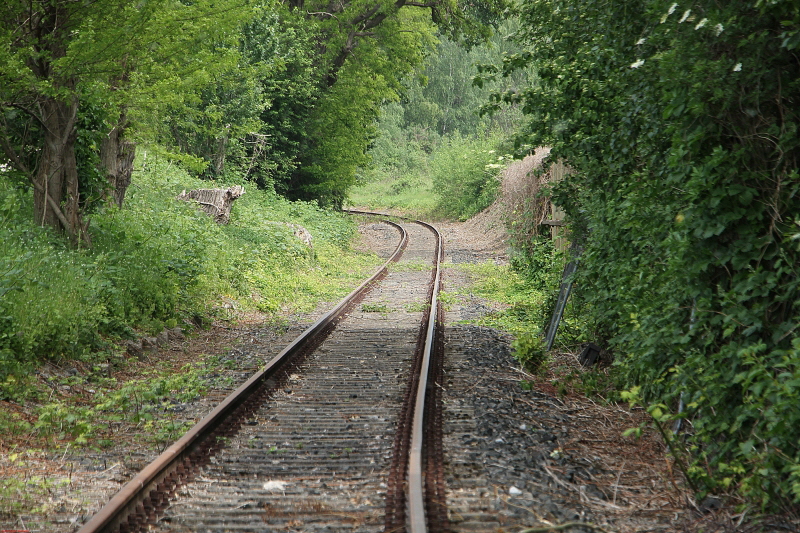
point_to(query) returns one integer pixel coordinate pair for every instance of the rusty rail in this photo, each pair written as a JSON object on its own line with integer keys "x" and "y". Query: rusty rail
{"x": 145, "y": 496}
{"x": 416, "y": 480}
{"x": 422, "y": 410}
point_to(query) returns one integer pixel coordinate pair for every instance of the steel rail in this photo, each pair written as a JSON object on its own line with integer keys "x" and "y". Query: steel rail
{"x": 416, "y": 493}
{"x": 421, "y": 505}
{"x": 169, "y": 469}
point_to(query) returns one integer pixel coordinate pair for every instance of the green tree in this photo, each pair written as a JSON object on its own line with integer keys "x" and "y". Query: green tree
{"x": 680, "y": 122}
{"x": 342, "y": 124}
{"x": 298, "y": 114}
{"x": 344, "y": 26}
{"x": 63, "y": 55}
{"x": 442, "y": 96}
{"x": 361, "y": 52}
{"x": 280, "y": 46}
{"x": 312, "y": 111}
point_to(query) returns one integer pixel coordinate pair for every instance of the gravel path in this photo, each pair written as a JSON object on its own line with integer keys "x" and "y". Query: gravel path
{"x": 509, "y": 449}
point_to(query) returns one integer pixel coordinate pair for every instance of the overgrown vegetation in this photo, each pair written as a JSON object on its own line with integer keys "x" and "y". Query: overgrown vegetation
{"x": 524, "y": 304}
{"x": 157, "y": 263}
{"x": 271, "y": 92}
{"x": 680, "y": 122}
{"x": 96, "y": 411}
{"x": 434, "y": 154}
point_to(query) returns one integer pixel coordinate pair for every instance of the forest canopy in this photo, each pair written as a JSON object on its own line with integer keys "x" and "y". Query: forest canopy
{"x": 284, "y": 94}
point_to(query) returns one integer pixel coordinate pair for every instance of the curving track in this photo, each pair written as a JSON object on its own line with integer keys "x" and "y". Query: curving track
{"x": 321, "y": 439}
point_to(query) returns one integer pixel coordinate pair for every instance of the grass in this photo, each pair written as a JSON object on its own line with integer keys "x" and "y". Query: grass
{"x": 411, "y": 195}
{"x": 522, "y": 308}
{"x": 419, "y": 307}
{"x": 519, "y": 305}
{"x": 23, "y": 495}
{"x": 157, "y": 263}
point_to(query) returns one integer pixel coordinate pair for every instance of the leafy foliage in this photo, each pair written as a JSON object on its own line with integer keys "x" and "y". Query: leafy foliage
{"x": 433, "y": 151}
{"x": 441, "y": 97}
{"x": 69, "y": 73}
{"x": 280, "y": 47}
{"x": 529, "y": 349}
{"x": 465, "y": 176}
{"x": 156, "y": 262}
{"x": 681, "y": 124}
{"x": 344, "y": 123}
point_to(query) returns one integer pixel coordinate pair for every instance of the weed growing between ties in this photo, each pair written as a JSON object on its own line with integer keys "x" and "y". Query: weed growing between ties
{"x": 378, "y": 307}
{"x": 410, "y": 266}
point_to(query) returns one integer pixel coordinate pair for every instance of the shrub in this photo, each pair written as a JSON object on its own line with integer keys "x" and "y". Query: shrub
{"x": 681, "y": 126}
{"x": 464, "y": 175}
{"x": 529, "y": 349}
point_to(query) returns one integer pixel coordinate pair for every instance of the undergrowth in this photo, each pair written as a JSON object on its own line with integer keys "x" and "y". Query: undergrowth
{"x": 522, "y": 302}
{"x": 453, "y": 176}
{"x": 680, "y": 126}
{"x": 156, "y": 263}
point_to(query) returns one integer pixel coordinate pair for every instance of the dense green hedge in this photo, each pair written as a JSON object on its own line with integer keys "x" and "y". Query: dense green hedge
{"x": 681, "y": 122}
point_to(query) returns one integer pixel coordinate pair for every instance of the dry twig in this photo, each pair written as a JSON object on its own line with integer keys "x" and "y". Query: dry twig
{"x": 564, "y": 527}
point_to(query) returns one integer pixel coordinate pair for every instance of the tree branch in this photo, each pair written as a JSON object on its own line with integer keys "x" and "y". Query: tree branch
{"x": 321, "y": 13}
{"x": 364, "y": 16}
{"x": 52, "y": 203}
{"x": 13, "y": 156}
{"x": 21, "y": 107}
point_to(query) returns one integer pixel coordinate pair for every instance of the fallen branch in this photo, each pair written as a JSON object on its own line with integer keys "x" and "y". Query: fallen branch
{"x": 563, "y": 527}
{"x": 572, "y": 487}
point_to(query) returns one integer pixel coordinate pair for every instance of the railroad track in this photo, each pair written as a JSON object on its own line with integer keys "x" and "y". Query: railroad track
{"x": 340, "y": 431}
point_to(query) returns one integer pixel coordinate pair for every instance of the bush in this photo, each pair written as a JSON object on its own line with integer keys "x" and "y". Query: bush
{"x": 464, "y": 175}
{"x": 46, "y": 303}
{"x": 681, "y": 126}
{"x": 529, "y": 349}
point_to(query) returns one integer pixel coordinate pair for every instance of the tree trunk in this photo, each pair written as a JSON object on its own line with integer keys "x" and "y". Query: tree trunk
{"x": 56, "y": 198}
{"x": 215, "y": 202}
{"x": 116, "y": 158}
{"x": 56, "y": 201}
